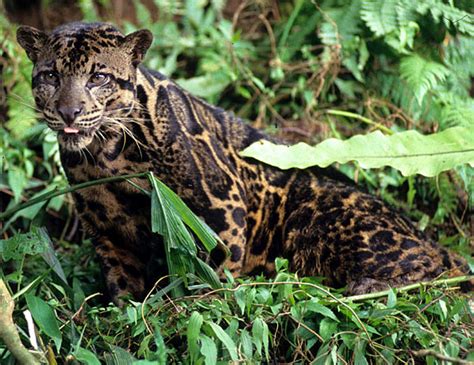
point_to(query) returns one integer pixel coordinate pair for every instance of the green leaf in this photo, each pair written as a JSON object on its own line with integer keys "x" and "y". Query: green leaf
{"x": 207, "y": 85}
{"x": 17, "y": 180}
{"x": 45, "y": 318}
{"x": 451, "y": 16}
{"x": 205, "y": 234}
{"x": 327, "y": 328}
{"x": 34, "y": 242}
{"x": 226, "y": 340}
{"x": 359, "y": 352}
{"x": 206, "y": 273}
{"x": 422, "y": 74}
{"x": 380, "y": 16}
{"x": 119, "y": 356}
{"x": 194, "y": 328}
{"x": 246, "y": 342}
{"x": 409, "y": 152}
{"x": 313, "y": 306}
{"x": 49, "y": 256}
{"x": 392, "y": 299}
{"x": 260, "y": 335}
{"x": 208, "y": 350}
{"x": 169, "y": 217}
{"x": 86, "y": 357}
{"x": 161, "y": 353}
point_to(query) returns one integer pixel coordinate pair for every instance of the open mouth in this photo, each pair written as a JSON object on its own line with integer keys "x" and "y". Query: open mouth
{"x": 70, "y": 130}
{"x": 74, "y": 132}
{"x": 73, "y": 138}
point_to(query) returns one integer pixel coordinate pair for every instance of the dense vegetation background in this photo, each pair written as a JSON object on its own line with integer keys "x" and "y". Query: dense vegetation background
{"x": 304, "y": 70}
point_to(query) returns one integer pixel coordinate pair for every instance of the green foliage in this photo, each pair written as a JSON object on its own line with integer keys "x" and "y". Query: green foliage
{"x": 422, "y": 75}
{"x": 169, "y": 215}
{"x": 380, "y": 17}
{"x": 389, "y": 65}
{"x": 409, "y": 152}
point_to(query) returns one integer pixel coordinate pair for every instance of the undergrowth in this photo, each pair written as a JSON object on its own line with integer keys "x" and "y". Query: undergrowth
{"x": 390, "y": 66}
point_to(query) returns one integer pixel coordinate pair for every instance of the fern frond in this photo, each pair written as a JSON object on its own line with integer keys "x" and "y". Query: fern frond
{"x": 459, "y": 57}
{"x": 421, "y": 74}
{"x": 380, "y": 16}
{"x": 340, "y": 24}
{"x": 457, "y": 114}
{"x": 451, "y": 16}
{"x": 406, "y": 12}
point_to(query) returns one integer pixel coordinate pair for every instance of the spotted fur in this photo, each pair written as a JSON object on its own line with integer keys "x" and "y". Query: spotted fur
{"x": 127, "y": 119}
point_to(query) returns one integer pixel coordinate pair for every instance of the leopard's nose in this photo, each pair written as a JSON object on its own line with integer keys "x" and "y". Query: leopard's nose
{"x": 69, "y": 114}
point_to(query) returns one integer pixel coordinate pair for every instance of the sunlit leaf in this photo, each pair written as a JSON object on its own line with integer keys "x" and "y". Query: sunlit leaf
{"x": 409, "y": 152}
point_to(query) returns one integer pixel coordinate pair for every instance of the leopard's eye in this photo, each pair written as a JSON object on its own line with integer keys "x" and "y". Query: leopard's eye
{"x": 51, "y": 77}
{"x": 97, "y": 79}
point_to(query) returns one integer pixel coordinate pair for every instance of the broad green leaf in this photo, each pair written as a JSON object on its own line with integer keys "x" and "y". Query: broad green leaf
{"x": 33, "y": 242}
{"x": 444, "y": 309}
{"x": 409, "y": 152}
{"x": 239, "y": 295}
{"x": 327, "y": 328}
{"x": 359, "y": 352}
{"x": 392, "y": 299}
{"x": 49, "y": 256}
{"x": 259, "y": 328}
{"x": 246, "y": 342}
{"x": 194, "y": 328}
{"x": 86, "y": 357}
{"x": 312, "y": 306}
{"x": 229, "y": 344}
{"x": 161, "y": 353}
{"x": 45, "y": 318}
{"x": 207, "y": 85}
{"x": 206, "y": 273}
{"x": 119, "y": 356}
{"x": 323, "y": 356}
{"x": 169, "y": 217}
{"x": 257, "y": 334}
{"x": 200, "y": 228}
{"x": 17, "y": 180}
{"x": 208, "y": 350}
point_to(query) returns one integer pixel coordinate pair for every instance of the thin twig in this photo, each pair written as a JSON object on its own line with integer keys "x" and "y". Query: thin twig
{"x": 428, "y": 352}
{"x": 361, "y": 118}
{"x": 384, "y": 293}
{"x": 81, "y": 308}
{"x": 150, "y": 331}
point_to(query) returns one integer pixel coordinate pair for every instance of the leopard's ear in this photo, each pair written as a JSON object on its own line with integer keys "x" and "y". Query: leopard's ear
{"x": 32, "y": 40}
{"x": 137, "y": 43}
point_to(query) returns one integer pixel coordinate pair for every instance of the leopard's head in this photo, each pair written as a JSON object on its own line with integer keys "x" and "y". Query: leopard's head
{"x": 84, "y": 77}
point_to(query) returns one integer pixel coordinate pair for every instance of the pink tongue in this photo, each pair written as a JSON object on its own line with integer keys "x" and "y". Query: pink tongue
{"x": 69, "y": 130}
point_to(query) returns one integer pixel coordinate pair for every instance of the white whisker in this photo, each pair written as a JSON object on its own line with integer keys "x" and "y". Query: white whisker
{"x": 111, "y": 123}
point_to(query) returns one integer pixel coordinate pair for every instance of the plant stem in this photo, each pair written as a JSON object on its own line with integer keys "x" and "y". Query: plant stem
{"x": 70, "y": 189}
{"x": 361, "y": 118}
{"x": 8, "y": 332}
{"x": 380, "y": 294}
{"x": 443, "y": 358}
